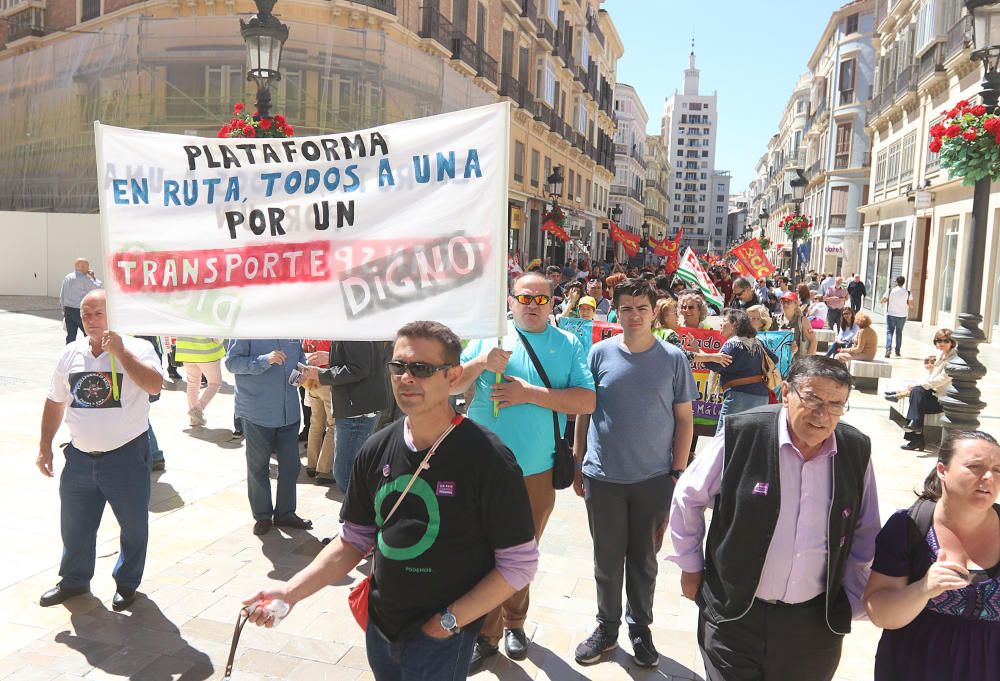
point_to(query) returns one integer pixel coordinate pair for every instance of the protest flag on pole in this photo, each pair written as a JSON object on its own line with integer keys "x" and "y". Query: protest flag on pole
{"x": 691, "y": 271}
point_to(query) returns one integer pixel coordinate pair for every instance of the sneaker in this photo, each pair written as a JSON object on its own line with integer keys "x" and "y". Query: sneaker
{"x": 480, "y": 651}
{"x": 237, "y": 435}
{"x": 159, "y": 465}
{"x": 643, "y": 651}
{"x": 196, "y": 417}
{"x": 898, "y": 355}
{"x": 887, "y": 354}
{"x": 515, "y": 643}
{"x": 599, "y": 643}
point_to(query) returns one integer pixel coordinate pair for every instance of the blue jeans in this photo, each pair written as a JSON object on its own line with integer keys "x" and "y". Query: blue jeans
{"x": 894, "y": 325}
{"x": 155, "y": 453}
{"x": 351, "y": 433}
{"x": 735, "y": 402}
{"x": 73, "y": 323}
{"x": 121, "y": 479}
{"x": 261, "y": 442}
{"x": 418, "y": 657}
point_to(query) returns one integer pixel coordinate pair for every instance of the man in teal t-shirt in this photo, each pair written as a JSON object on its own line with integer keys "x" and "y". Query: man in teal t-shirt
{"x": 523, "y": 421}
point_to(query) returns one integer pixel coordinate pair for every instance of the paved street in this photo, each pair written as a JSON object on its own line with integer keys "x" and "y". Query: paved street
{"x": 203, "y": 558}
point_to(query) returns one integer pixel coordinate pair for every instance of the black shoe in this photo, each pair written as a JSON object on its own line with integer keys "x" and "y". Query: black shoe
{"x": 480, "y": 651}
{"x": 914, "y": 446}
{"x": 324, "y": 480}
{"x": 643, "y": 651}
{"x": 122, "y": 600}
{"x": 294, "y": 522}
{"x": 159, "y": 465}
{"x": 304, "y": 436}
{"x": 887, "y": 354}
{"x": 204, "y": 382}
{"x": 600, "y": 642}
{"x": 515, "y": 644}
{"x": 60, "y": 593}
{"x": 262, "y": 527}
{"x": 898, "y": 355}
{"x": 172, "y": 373}
{"x": 310, "y": 472}
{"x": 891, "y": 396}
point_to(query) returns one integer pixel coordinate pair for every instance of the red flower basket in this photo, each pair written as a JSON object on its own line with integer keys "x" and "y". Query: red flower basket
{"x": 243, "y": 124}
{"x": 969, "y": 142}
{"x": 796, "y": 226}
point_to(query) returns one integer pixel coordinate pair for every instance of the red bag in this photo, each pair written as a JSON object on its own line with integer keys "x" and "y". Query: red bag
{"x": 357, "y": 600}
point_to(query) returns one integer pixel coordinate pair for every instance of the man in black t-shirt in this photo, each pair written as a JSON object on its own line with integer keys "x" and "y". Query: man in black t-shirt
{"x": 461, "y": 542}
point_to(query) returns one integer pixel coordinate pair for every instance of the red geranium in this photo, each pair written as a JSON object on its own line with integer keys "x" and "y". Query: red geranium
{"x": 953, "y": 131}
{"x": 978, "y": 110}
{"x": 265, "y": 124}
{"x": 935, "y": 145}
{"x": 242, "y": 124}
{"x": 970, "y": 134}
{"x": 967, "y": 142}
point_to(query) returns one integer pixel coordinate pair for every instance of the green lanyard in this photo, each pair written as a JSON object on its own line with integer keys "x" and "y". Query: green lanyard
{"x": 114, "y": 379}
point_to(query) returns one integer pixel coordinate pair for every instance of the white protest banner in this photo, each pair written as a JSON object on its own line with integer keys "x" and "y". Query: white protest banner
{"x": 343, "y": 236}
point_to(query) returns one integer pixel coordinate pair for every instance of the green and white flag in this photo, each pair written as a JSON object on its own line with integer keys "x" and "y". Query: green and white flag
{"x": 690, "y": 270}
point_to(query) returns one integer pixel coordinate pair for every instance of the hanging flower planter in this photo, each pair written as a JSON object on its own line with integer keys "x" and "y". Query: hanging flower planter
{"x": 243, "y": 124}
{"x": 796, "y": 226}
{"x": 556, "y": 215}
{"x": 969, "y": 142}
{"x": 764, "y": 242}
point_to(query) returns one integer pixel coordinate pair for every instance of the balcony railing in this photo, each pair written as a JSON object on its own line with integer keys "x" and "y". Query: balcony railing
{"x": 464, "y": 49}
{"x": 841, "y": 161}
{"x": 930, "y": 61}
{"x": 838, "y": 221}
{"x": 487, "y": 67}
{"x": 387, "y": 6}
{"x": 542, "y": 111}
{"x": 28, "y": 22}
{"x": 846, "y": 98}
{"x": 955, "y": 40}
{"x": 546, "y": 31}
{"x": 820, "y": 108}
{"x": 594, "y": 26}
{"x": 906, "y": 81}
{"x": 435, "y": 26}
{"x": 528, "y": 9}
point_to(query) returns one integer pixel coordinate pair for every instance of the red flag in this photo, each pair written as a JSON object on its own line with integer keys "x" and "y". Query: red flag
{"x": 674, "y": 249}
{"x": 628, "y": 240}
{"x": 740, "y": 269}
{"x": 751, "y": 256}
{"x": 553, "y": 227}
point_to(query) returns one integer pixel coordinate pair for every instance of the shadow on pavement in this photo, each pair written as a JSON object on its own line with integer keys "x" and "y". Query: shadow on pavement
{"x": 163, "y": 497}
{"x": 220, "y": 437}
{"x": 141, "y": 644}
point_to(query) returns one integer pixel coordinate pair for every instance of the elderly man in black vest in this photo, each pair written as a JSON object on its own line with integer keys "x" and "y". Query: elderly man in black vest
{"x": 792, "y": 535}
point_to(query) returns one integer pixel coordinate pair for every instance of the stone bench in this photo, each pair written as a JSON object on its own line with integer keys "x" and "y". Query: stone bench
{"x": 933, "y": 423}
{"x": 867, "y": 372}
{"x": 823, "y": 339}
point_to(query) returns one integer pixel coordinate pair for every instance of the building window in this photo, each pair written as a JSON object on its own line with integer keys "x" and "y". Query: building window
{"x": 851, "y": 24}
{"x": 933, "y": 162}
{"x": 949, "y": 253}
{"x": 534, "y": 168}
{"x": 719, "y": 209}
{"x": 880, "y": 162}
{"x": 518, "y": 162}
{"x": 892, "y": 166}
{"x": 847, "y": 72}
{"x": 720, "y": 197}
{"x": 718, "y": 221}
{"x": 906, "y": 157}
{"x": 842, "y": 159}
{"x": 89, "y": 9}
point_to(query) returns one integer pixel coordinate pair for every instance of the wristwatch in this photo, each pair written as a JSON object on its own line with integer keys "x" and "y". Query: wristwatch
{"x": 449, "y": 623}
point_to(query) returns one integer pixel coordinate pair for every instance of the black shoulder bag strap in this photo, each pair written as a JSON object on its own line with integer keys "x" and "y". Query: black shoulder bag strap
{"x": 921, "y": 515}
{"x": 545, "y": 379}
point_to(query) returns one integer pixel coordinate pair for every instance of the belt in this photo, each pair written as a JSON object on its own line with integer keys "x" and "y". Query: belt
{"x": 749, "y": 380}
{"x": 98, "y": 455}
{"x": 783, "y": 604}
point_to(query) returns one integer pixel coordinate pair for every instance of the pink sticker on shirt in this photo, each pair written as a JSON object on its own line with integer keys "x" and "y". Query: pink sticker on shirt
{"x": 760, "y": 489}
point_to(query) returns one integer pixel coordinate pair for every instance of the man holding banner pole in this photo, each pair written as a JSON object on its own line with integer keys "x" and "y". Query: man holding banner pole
{"x": 524, "y": 421}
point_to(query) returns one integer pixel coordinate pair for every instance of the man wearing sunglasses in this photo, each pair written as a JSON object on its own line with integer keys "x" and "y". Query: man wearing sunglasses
{"x": 792, "y": 535}
{"x": 461, "y": 539}
{"x": 502, "y": 372}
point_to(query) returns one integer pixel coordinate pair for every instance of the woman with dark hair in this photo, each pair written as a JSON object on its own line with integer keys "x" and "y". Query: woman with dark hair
{"x": 804, "y": 294}
{"x": 848, "y": 330}
{"x": 924, "y": 397}
{"x": 743, "y": 381}
{"x": 935, "y": 582}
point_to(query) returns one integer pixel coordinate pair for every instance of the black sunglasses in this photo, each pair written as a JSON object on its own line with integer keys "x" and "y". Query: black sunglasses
{"x": 416, "y": 369}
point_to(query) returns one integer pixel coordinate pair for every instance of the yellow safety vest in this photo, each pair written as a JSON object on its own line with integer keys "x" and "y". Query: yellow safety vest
{"x": 197, "y": 349}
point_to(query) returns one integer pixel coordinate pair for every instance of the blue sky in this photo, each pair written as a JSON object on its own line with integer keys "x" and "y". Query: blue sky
{"x": 751, "y": 53}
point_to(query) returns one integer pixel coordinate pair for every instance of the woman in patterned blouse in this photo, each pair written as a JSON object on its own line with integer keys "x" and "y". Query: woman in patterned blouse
{"x": 935, "y": 588}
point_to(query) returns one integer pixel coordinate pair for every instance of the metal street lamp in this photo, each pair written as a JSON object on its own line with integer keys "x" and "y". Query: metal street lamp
{"x": 645, "y": 241}
{"x": 798, "y": 185}
{"x": 554, "y": 185}
{"x": 962, "y": 404}
{"x": 265, "y": 37}
{"x": 615, "y": 213}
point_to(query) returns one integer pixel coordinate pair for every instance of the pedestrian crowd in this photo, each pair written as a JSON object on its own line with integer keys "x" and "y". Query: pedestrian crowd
{"x": 447, "y": 505}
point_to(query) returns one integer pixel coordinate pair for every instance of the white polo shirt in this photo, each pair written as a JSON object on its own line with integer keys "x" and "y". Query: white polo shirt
{"x": 97, "y": 421}
{"x": 898, "y": 303}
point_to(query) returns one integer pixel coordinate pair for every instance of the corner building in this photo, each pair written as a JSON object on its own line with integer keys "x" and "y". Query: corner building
{"x": 179, "y": 67}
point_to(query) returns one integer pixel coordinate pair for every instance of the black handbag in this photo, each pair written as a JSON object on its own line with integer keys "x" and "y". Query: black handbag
{"x": 563, "y": 469}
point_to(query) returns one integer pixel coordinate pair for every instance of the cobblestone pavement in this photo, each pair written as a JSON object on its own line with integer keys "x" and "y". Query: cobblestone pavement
{"x": 203, "y": 558}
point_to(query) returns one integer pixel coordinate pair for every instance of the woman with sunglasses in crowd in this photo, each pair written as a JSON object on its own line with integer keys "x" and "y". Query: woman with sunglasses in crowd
{"x": 935, "y": 581}
{"x": 848, "y": 331}
{"x": 924, "y": 398}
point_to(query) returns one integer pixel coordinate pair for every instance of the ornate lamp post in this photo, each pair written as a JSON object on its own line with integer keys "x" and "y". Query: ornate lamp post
{"x": 645, "y": 241}
{"x": 265, "y": 37}
{"x": 962, "y": 404}
{"x": 798, "y": 185}
{"x": 615, "y": 216}
{"x": 554, "y": 188}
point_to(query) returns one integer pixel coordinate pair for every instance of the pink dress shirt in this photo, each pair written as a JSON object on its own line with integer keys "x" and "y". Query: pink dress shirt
{"x": 795, "y": 567}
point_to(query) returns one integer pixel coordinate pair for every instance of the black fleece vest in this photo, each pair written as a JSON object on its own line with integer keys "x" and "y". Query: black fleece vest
{"x": 746, "y": 512}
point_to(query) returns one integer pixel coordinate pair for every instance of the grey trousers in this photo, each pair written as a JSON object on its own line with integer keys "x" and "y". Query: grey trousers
{"x": 623, "y": 522}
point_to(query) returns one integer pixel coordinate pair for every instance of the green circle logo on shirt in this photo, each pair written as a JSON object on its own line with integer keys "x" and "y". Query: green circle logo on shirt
{"x": 422, "y": 491}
